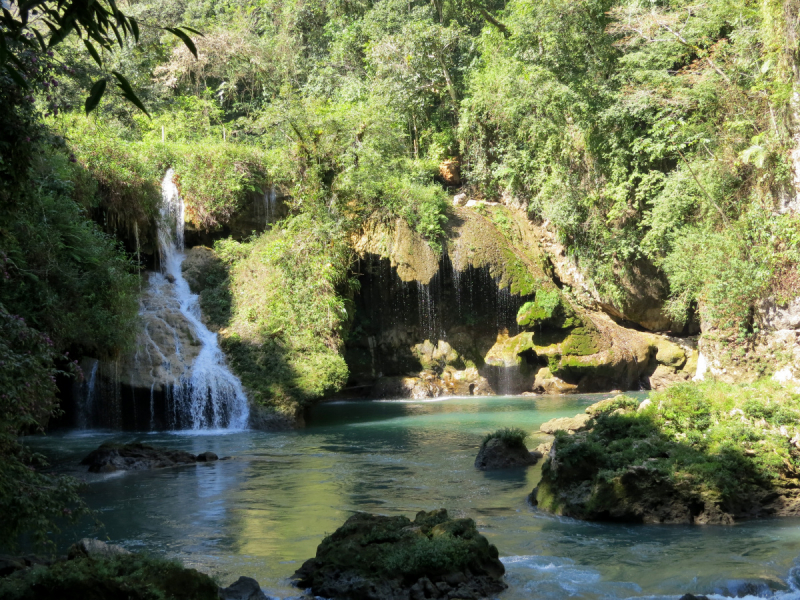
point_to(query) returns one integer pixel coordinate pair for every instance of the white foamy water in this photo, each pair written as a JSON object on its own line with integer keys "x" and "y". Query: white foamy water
{"x": 204, "y": 393}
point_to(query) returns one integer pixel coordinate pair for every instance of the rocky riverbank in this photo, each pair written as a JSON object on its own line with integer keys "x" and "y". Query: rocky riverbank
{"x": 706, "y": 454}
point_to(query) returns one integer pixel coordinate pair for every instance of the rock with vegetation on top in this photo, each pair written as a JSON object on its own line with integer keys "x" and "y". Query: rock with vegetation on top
{"x": 619, "y": 403}
{"x": 111, "y": 457}
{"x": 684, "y": 457}
{"x": 503, "y": 449}
{"x": 374, "y": 557}
{"x": 568, "y": 424}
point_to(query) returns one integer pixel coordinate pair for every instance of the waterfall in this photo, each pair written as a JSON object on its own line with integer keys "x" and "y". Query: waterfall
{"x": 85, "y": 398}
{"x": 202, "y": 391}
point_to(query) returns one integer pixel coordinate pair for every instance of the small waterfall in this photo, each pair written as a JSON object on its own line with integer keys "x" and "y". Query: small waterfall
{"x": 267, "y": 209}
{"x": 429, "y": 321}
{"x": 85, "y": 399}
{"x": 199, "y": 388}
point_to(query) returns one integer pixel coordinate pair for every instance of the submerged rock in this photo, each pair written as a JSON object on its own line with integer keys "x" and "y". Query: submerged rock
{"x": 497, "y": 453}
{"x": 373, "y": 557}
{"x": 111, "y": 457}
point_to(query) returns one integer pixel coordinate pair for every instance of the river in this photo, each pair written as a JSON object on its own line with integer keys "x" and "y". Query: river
{"x": 264, "y": 511}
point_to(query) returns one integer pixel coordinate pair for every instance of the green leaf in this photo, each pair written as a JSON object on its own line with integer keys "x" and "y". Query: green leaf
{"x": 134, "y": 27}
{"x": 93, "y": 52}
{"x": 116, "y": 33}
{"x": 186, "y": 39}
{"x": 95, "y": 94}
{"x": 128, "y": 93}
{"x": 39, "y": 38}
{"x": 192, "y": 30}
{"x": 59, "y": 32}
{"x": 3, "y": 49}
{"x": 15, "y": 75}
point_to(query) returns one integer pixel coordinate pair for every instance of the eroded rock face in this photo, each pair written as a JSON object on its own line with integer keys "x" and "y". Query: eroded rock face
{"x": 430, "y": 384}
{"x": 138, "y": 457}
{"x": 499, "y": 454}
{"x": 373, "y": 557}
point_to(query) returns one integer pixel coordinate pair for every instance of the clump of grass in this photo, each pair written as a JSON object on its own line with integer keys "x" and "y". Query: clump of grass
{"x": 511, "y": 436}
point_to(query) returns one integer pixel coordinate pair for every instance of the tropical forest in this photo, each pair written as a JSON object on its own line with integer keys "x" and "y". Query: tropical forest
{"x": 399, "y": 299}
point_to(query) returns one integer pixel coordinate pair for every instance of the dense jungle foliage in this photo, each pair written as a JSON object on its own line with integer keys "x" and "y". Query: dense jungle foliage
{"x": 652, "y": 136}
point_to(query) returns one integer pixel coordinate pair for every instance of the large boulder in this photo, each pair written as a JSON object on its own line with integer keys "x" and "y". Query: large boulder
{"x": 111, "y": 457}
{"x": 244, "y": 588}
{"x": 498, "y": 453}
{"x": 374, "y": 557}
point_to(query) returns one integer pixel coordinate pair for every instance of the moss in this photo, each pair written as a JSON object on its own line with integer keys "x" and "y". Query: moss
{"x": 582, "y": 341}
{"x": 134, "y": 577}
{"x": 549, "y": 309}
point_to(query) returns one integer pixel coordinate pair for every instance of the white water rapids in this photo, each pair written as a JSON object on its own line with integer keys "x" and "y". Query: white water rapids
{"x": 203, "y": 392}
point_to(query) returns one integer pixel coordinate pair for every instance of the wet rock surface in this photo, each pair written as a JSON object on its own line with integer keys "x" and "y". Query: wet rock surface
{"x": 95, "y": 549}
{"x": 374, "y": 557}
{"x": 111, "y": 457}
{"x": 497, "y": 453}
{"x": 244, "y": 588}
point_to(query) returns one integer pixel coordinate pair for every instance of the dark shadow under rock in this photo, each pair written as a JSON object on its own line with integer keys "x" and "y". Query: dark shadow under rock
{"x": 374, "y": 557}
{"x": 496, "y": 453}
{"x": 136, "y": 457}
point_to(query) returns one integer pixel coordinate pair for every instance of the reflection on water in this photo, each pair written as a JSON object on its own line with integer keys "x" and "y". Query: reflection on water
{"x": 264, "y": 511}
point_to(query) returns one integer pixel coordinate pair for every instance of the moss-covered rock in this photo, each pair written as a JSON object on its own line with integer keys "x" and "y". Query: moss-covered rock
{"x": 549, "y": 309}
{"x": 709, "y": 453}
{"x": 505, "y": 449}
{"x": 129, "y": 576}
{"x": 668, "y": 353}
{"x": 373, "y": 557}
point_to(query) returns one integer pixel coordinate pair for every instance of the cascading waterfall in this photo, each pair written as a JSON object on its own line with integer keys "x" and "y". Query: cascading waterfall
{"x": 202, "y": 391}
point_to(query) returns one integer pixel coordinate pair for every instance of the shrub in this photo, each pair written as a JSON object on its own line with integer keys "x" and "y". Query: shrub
{"x": 134, "y": 577}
